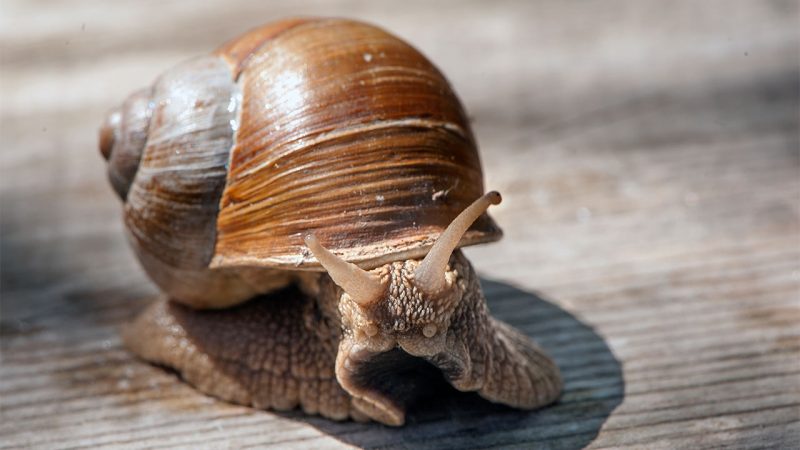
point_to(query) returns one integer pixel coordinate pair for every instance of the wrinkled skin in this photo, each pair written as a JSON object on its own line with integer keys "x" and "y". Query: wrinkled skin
{"x": 318, "y": 349}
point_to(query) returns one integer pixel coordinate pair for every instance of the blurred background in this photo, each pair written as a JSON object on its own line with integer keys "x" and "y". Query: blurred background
{"x": 648, "y": 154}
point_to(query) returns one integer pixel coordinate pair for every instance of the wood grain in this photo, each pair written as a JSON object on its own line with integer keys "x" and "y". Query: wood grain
{"x": 649, "y": 160}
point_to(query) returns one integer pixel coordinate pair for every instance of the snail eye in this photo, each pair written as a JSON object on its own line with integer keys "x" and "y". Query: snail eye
{"x": 371, "y": 330}
{"x": 429, "y": 330}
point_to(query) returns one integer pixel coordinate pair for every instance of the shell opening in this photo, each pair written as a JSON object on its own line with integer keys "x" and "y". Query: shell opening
{"x": 429, "y": 276}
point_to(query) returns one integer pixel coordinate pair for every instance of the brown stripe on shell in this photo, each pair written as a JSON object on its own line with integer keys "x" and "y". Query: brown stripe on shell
{"x": 348, "y": 132}
{"x": 238, "y": 50}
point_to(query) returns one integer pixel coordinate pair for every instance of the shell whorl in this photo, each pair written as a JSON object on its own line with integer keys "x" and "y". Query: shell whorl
{"x": 172, "y": 206}
{"x": 123, "y": 137}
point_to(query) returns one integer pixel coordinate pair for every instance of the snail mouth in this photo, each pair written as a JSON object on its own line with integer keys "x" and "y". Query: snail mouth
{"x": 384, "y": 385}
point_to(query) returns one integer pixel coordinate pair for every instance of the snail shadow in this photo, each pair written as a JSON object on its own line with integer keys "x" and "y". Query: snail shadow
{"x": 593, "y": 388}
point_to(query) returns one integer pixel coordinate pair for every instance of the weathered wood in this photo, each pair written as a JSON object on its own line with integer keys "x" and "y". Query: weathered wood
{"x": 650, "y": 162}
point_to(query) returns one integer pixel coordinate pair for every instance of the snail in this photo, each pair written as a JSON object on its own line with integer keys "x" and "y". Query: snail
{"x": 300, "y": 196}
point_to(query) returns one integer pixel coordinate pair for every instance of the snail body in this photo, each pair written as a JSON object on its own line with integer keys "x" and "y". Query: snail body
{"x": 326, "y": 164}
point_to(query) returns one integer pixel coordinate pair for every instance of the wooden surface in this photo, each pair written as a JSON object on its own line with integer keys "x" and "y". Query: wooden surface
{"x": 648, "y": 157}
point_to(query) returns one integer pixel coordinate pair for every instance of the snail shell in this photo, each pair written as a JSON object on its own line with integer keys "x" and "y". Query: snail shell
{"x": 327, "y": 125}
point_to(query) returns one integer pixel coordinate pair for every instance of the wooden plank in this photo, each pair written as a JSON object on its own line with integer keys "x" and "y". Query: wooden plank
{"x": 649, "y": 159}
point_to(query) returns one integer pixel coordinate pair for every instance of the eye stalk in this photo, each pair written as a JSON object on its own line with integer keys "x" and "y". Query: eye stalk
{"x": 429, "y": 275}
{"x": 366, "y": 288}
{"x": 363, "y": 287}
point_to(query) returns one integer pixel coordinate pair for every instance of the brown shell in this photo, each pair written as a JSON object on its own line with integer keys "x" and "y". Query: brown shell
{"x": 322, "y": 125}
{"x": 349, "y": 132}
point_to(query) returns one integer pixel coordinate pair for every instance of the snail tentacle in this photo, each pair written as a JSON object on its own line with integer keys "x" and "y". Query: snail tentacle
{"x": 429, "y": 275}
{"x": 363, "y": 287}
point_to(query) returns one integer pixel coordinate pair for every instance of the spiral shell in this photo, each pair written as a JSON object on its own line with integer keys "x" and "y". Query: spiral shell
{"x": 323, "y": 125}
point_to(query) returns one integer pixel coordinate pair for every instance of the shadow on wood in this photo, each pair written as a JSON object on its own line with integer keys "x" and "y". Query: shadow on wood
{"x": 594, "y": 384}
{"x": 593, "y": 379}
{"x": 226, "y": 351}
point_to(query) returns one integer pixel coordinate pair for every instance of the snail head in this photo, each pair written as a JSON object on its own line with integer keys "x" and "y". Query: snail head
{"x": 396, "y": 318}
{"x": 406, "y": 303}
